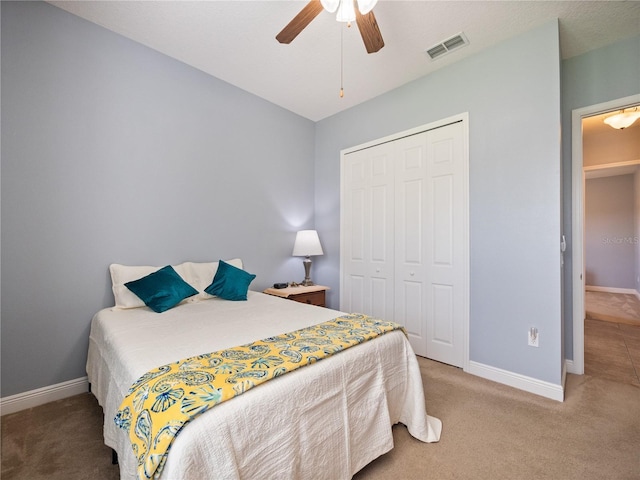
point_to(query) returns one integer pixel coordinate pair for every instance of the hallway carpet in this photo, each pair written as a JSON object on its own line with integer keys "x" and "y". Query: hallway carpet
{"x": 612, "y": 307}
{"x": 612, "y": 351}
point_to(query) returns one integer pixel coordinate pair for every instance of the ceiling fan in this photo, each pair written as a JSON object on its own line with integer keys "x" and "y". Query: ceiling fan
{"x": 346, "y": 12}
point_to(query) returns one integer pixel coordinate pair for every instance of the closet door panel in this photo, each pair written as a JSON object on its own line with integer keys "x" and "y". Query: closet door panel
{"x": 412, "y": 221}
{"x": 409, "y": 308}
{"x": 355, "y": 200}
{"x": 354, "y": 276}
{"x": 380, "y": 292}
{"x": 356, "y": 294}
{"x": 442, "y": 200}
{"x": 367, "y": 254}
{"x": 410, "y": 195}
{"x": 379, "y": 223}
{"x": 442, "y": 314}
{"x": 380, "y": 261}
{"x": 444, "y": 245}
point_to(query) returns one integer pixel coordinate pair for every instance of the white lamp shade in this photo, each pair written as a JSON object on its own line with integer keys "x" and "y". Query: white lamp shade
{"x": 307, "y": 244}
{"x": 622, "y": 119}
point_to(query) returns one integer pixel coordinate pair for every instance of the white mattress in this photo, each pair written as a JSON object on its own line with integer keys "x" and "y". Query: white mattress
{"x": 325, "y": 420}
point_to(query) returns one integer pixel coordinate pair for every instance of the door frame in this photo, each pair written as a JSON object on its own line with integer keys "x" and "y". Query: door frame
{"x": 464, "y": 119}
{"x": 577, "y": 221}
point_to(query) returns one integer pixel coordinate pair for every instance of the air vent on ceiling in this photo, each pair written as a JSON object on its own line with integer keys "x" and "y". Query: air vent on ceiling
{"x": 446, "y": 46}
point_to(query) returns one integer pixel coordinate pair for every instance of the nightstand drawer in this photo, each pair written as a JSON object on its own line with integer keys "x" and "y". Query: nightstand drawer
{"x": 311, "y": 295}
{"x": 312, "y": 298}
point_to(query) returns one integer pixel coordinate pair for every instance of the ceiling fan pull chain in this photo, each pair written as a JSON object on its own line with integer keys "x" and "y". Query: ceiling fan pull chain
{"x": 341, "y": 61}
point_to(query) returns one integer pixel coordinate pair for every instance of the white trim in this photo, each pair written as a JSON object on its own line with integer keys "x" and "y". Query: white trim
{"x": 40, "y": 396}
{"x": 461, "y": 117}
{"x": 627, "y": 291}
{"x": 606, "y": 166}
{"x": 466, "y": 245}
{"x": 611, "y": 169}
{"x": 577, "y": 221}
{"x": 521, "y": 382}
{"x": 570, "y": 367}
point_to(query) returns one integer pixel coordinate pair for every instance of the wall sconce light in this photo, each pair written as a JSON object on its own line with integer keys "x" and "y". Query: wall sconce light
{"x": 307, "y": 244}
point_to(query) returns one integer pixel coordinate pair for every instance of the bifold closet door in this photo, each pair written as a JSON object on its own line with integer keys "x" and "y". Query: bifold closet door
{"x": 368, "y": 232}
{"x": 403, "y": 225}
{"x": 429, "y": 231}
{"x": 445, "y": 245}
{"x": 410, "y": 239}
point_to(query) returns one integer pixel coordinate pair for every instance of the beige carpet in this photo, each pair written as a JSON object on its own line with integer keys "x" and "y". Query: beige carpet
{"x": 612, "y": 307}
{"x": 490, "y": 432}
{"x": 612, "y": 351}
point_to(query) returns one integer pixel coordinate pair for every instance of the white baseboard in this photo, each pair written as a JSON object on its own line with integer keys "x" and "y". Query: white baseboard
{"x": 571, "y": 367}
{"x": 628, "y": 291}
{"x": 521, "y": 382}
{"x": 40, "y": 396}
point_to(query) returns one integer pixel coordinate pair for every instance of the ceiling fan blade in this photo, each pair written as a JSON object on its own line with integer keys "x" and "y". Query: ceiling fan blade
{"x": 370, "y": 32}
{"x": 300, "y": 21}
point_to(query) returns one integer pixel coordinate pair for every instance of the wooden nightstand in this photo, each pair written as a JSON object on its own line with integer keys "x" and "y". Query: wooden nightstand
{"x": 314, "y": 295}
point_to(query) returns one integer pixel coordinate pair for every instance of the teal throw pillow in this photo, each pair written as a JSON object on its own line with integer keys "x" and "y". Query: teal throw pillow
{"x": 230, "y": 283}
{"x": 162, "y": 289}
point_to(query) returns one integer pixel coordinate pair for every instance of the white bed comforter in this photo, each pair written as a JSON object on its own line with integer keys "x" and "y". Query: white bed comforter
{"x": 327, "y": 420}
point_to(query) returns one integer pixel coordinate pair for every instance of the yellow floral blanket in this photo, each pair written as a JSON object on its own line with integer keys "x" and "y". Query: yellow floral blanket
{"x": 164, "y": 400}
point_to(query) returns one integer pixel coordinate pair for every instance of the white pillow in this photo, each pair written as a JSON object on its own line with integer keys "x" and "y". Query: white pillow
{"x": 200, "y": 275}
{"x": 121, "y": 274}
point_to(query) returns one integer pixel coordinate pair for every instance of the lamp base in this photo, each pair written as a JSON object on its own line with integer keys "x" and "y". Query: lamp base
{"x": 307, "y": 273}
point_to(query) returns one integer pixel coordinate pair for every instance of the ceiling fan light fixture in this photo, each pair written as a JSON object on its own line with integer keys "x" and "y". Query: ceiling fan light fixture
{"x": 346, "y": 11}
{"x": 623, "y": 119}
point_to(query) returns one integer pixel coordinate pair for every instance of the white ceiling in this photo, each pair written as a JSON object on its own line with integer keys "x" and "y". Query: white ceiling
{"x": 235, "y": 40}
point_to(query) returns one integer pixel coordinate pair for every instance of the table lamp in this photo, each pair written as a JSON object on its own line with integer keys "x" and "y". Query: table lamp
{"x": 307, "y": 244}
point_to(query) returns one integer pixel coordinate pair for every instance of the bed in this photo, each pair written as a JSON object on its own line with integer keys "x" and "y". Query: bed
{"x": 328, "y": 419}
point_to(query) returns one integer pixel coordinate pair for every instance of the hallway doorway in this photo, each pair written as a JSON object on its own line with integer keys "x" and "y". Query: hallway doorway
{"x": 577, "y": 365}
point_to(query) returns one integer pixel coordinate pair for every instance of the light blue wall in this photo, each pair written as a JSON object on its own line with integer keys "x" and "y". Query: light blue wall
{"x": 596, "y": 77}
{"x": 512, "y": 94}
{"x": 112, "y": 152}
{"x": 609, "y": 243}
